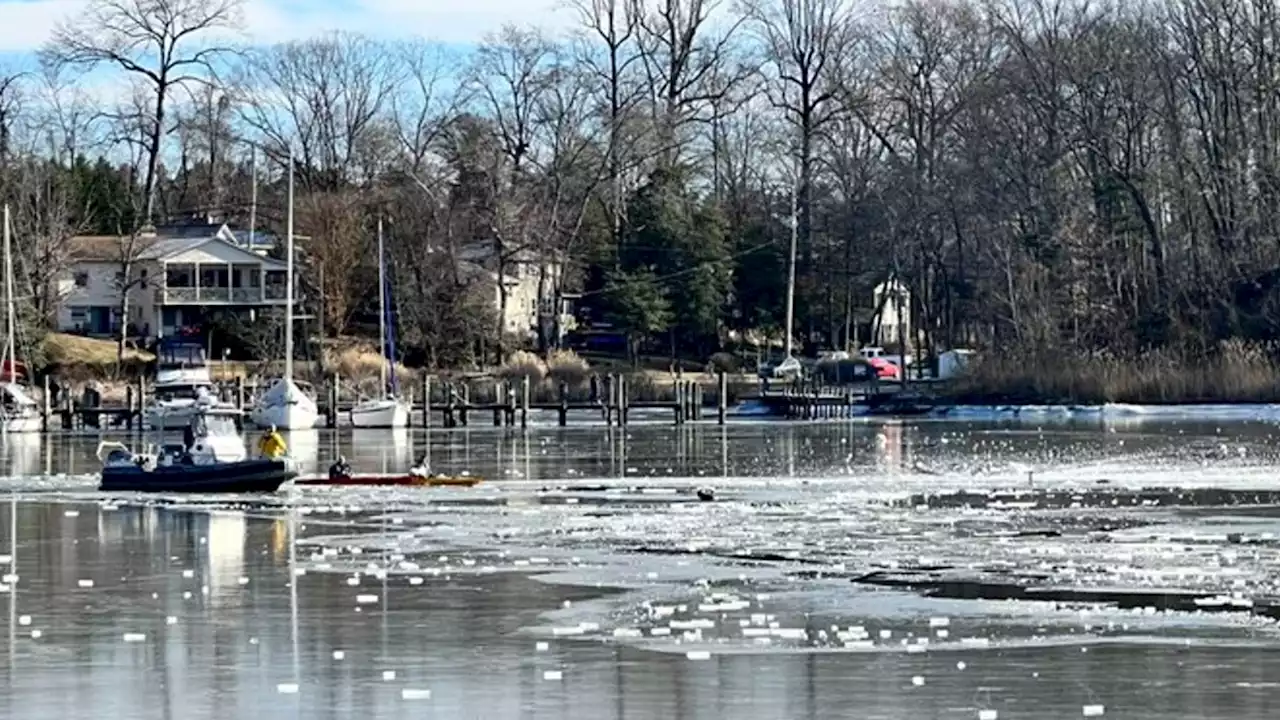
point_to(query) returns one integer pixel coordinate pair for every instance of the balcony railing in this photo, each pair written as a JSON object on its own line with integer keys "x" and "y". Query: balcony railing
{"x": 218, "y": 295}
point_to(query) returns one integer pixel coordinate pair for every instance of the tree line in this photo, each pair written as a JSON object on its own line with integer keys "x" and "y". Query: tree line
{"x": 1044, "y": 176}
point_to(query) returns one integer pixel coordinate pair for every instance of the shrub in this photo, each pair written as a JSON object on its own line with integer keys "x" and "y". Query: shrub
{"x": 566, "y": 366}
{"x": 724, "y": 362}
{"x": 522, "y": 364}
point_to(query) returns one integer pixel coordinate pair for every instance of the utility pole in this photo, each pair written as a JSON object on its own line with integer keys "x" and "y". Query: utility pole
{"x": 791, "y": 262}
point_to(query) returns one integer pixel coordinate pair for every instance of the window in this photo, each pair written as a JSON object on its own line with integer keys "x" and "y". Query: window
{"x": 79, "y": 316}
{"x": 82, "y": 280}
{"x": 142, "y": 279}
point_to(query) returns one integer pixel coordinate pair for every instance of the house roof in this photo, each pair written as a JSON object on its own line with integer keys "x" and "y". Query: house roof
{"x": 109, "y": 248}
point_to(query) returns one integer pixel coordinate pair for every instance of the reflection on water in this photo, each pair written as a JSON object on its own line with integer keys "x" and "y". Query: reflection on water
{"x": 145, "y": 642}
{"x": 874, "y": 450}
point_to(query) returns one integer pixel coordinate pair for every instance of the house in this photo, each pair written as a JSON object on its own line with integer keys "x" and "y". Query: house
{"x": 892, "y": 322}
{"x": 177, "y": 281}
{"x": 530, "y": 287}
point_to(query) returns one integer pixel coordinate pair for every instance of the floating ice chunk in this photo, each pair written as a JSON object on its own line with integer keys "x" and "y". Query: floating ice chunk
{"x": 85, "y": 583}
{"x": 35, "y": 634}
{"x": 24, "y": 620}
{"x": 659, "y": 632}
{"x": 886, "y": 634}
{"x": 244, "y": 581}
{"x": 1093, "y": 711}
{"x": 388, "y": 674}
{"x": 412, "y": 694}
{"x": 651, "y": 575}
{"x": 287, "y": 688}
{"x": 975, "y": 641}
{"x": 943, "y": 634}
{"x": 134, "y": 637}
{"x": 353, "y": 580}
{"x": 789, "y": 633}
{"x": 10, "y": 578}
{"x": 366, "y": 599}
{"x": 188, "y": 574}
{"x": 695, "y": 624}
{"x": 960, "y": 665}
{"x": 553, "y": 675}
{"x": 917, "y": 680}
{"x": 575, "y": 630}
{"x": 939, "y": 622}
{"x": 171, "y": 620}
{"x": 627, "y": 633}
{"x": 71, "y": 513}
{"x": 186, "y": 595}
{"x": 988, "y": 715}
{"x": 542, "y": 646}
{"x": 6, "y": 559}
{"x": 415, "y": 581}
{"x": 589, "y": 626}
{"x": 698, "y": 655}
{"x": 861, "y": 645}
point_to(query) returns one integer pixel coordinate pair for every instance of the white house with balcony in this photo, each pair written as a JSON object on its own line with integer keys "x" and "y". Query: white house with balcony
{"x": 530, "y": 287}
{"x": 175, "y": 282}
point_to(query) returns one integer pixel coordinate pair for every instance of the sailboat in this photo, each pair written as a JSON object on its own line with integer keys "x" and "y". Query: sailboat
{"x": 19, "y": 413}
{"x": 389, "y": 410}
{"x": 285, "y": 404}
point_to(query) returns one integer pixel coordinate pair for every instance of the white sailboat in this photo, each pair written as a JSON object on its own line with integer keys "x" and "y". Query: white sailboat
{"x": 19, "y": 413}
{"x": 388, "y": 410}
{"x": 285, "y": 404}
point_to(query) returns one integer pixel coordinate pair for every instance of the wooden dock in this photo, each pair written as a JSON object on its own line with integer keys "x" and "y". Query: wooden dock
{"x": 436, "y": 403}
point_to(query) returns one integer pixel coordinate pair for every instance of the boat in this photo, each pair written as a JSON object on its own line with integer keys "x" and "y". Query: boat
{"x": 389, "y": 410}
{"x": 400, "y": 479}
{"x": 285, "y": 404}
{"x": 19, "y": 413}
{"x": 213, "y": 459}
{"x": 183, "y": 386}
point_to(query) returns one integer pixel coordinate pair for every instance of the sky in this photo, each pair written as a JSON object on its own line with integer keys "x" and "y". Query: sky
{"x": 26, "y": 24}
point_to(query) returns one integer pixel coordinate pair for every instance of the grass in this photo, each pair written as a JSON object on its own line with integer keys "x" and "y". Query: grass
{"x": 1237, "y": 373}
{"x": 80, "y": 358}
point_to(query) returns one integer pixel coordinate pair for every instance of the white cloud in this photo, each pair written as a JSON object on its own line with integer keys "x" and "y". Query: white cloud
{"x": 26, "y": 24}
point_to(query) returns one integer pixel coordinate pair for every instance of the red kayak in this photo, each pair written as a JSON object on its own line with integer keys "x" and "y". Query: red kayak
{"x": 391, "y": 479}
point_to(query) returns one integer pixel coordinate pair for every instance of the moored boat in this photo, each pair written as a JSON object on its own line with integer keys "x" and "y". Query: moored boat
{"x": 211, "y": 459}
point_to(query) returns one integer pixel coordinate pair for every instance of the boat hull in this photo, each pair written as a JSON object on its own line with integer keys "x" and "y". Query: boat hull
{"x": 380, "y": 414}
{"x": 21, "y": 424}
{"x": 175, "y": 416}
{"x": 393, "y": 479}
{"x": 248, "y": 476}
{"x": 294, "y": 416}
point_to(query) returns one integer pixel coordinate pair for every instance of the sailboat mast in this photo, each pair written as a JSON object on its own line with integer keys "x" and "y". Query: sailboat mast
{"x": 253, "y": 194}
{"x": 10, "y": 325}
{"x": 382, "y": 313}
{"x": 288, "y": 280}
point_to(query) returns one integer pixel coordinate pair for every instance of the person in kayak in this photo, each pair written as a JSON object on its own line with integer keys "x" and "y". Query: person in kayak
{"x": 272, "y": 445}
{"x": 340, "y": 468}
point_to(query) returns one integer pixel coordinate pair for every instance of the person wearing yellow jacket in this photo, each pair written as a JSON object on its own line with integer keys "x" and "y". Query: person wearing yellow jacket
{"x": 272, "y": 445}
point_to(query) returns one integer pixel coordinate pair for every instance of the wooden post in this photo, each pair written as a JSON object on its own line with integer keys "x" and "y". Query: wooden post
{"x": 129, "y": 406}
{"x": 697, "y": 399}
{"x": 47, "y": 406}
{"x": 450, "y": 403}
{"x": 524, "y": 402}
{"x": 499, "y": 402}
{"x": 408, "y": 420}
{"x": 466, "y": 403}
{"x": 564, "y": 404}
{"x": 722, "y": 396}
{"x": 68, "y": 417}
{"x": 608, "y": 399}
{"x": 622, "y": 400}
{"x": 239, "y": 390}
{"x": 331, "y": 412}
{"x": 679, "y": 390}
{"x": 426, "y": 401}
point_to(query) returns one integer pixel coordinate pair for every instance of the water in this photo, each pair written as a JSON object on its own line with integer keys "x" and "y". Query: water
{"x": 584, "y": 579}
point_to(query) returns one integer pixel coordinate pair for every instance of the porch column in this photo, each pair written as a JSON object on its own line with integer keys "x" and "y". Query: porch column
{"x": 195, "y": 268}
{"x": 262, "y": 284}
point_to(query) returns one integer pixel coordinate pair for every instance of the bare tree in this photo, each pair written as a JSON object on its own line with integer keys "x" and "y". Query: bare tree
{"x": 161, "y": 42}
{"x": 609, "y": 47}
{"x": 690, "y": 64}
{"x": 325, "y": 96}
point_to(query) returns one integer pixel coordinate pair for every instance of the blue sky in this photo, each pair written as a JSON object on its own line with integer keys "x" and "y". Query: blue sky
{"x": 26, "y": 24}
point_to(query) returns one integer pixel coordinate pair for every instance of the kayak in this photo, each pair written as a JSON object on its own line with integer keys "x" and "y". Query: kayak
{"x": 410, "y": 479}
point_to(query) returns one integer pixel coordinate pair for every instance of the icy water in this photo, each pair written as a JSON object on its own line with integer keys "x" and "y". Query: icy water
{"x": 584, "y": 579}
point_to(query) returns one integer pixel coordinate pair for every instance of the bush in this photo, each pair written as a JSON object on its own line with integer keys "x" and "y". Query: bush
{"x": 724, "y": 362}
{"x": 1237, "y": 372}
{"x": 521, "y": 364}
{"x": 566, "y": 366}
